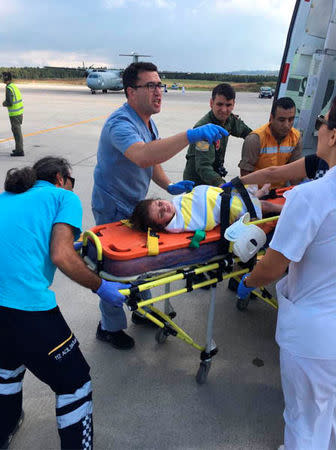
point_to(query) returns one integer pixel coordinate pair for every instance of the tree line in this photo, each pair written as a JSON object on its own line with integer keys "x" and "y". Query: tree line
{"x": 220, "y": 77}
{"x": 37, "y": 73}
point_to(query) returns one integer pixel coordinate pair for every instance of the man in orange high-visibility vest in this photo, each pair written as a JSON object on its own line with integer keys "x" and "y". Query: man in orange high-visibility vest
{"x": 274, "y": 144}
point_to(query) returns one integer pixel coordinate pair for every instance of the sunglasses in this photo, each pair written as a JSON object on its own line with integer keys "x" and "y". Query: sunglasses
{"x": 72, "y": 180}
{"x": 320, "y": 121}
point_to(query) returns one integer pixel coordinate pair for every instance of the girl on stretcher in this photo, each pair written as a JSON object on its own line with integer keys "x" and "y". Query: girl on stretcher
{"x": 198, "y": 209}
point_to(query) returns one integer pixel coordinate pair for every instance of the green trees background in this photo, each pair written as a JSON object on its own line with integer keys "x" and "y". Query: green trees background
{"x": 37, "y": 73}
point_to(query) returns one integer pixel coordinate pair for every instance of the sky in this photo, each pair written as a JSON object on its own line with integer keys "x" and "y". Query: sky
{"x": 181, "y": 35}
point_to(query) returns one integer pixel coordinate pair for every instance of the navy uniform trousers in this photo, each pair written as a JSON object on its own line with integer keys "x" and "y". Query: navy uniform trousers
{"x": 43, "y": 343}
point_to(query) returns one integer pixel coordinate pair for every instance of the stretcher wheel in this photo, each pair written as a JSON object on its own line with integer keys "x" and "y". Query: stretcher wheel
{"x": 202, "y": 373}
{"x": 242, "y": 303}
{"x": 161, "y": 336}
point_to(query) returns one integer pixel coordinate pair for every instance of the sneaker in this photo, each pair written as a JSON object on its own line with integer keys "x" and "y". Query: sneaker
{"x": 118, "y": 339}
{"x": 15, "y": 153}
{"x": 5, "y": 445}
{"x": 138, "y": 319}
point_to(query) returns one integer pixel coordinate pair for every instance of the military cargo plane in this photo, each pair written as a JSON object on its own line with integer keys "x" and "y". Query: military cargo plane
{"x": 108, "y": 79}
{"x": 104, "y": 80}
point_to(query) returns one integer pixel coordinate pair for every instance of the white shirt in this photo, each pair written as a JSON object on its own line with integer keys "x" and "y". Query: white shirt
{"x": 306, "y": 234}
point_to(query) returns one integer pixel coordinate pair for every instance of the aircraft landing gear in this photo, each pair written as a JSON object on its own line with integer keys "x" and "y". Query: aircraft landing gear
{"x": 104, "y": 91}
{"x": 93, "y": 92}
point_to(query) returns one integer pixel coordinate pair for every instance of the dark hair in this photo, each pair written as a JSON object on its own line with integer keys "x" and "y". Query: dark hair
{"x": 140, "y": 218}
{"x": 332, "y": 115}
{"x": 130, "y": 75}
{"x": 224, "y": 89}
{"x": 283, "y": 102}
{"x": 6, "y": 76}
{"x": 47, "y": 168}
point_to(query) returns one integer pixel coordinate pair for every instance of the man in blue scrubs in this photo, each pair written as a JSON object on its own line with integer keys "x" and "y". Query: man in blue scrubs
{"x": 40, "y": 217}
{"x": 130, "y": 154}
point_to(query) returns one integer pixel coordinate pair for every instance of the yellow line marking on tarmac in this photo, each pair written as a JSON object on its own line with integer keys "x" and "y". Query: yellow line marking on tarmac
{"x": 57, "y": 128}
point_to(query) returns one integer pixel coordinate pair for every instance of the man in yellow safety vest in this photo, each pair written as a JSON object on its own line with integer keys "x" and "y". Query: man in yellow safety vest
{"x": 14, "y": 104}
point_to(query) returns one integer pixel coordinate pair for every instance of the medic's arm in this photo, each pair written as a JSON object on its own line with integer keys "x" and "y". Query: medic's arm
{"x": 64, "y": 256}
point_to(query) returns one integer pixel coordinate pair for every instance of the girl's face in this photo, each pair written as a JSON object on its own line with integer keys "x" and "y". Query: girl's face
{"x": 161, "y": 211}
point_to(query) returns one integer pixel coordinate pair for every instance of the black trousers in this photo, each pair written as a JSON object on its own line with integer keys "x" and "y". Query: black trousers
{"x": 43, "y": 343}
{"x": 16, "y": 122}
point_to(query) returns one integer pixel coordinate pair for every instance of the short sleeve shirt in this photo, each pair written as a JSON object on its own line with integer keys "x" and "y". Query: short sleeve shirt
{"x": 26, "y": 270}
{"x": 117, "y": 180}
{"x": 315, "y": 167}
{"x": 305, "y": 234}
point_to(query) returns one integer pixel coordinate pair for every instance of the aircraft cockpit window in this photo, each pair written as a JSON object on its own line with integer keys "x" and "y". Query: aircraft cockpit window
{"x": 93, "y": 75}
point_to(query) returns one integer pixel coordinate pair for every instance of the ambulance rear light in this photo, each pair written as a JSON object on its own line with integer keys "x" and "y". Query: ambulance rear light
{"x": 285, "y": 73}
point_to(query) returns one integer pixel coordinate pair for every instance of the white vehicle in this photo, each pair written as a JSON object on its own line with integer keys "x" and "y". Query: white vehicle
{"x": 308, "y": 69}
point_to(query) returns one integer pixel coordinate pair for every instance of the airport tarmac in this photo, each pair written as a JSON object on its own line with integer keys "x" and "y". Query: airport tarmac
{"x": 147, "y": 398}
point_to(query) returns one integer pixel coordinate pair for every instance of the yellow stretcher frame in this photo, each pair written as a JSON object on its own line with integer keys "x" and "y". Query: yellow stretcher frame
{"x": 166, "y": 326}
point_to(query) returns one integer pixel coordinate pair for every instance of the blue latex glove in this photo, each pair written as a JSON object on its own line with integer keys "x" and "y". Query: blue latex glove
{"x": 108, "y": 291}
{"x": 77, "y": 245}
{"x": 180, "y": 187}
{"x": 242, "y": 291}
{"x": 209, "y": 132}
{"x": 228, "y": 184}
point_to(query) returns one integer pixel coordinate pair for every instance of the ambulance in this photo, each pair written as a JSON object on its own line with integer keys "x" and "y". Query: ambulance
{"x": 308, "y": 68}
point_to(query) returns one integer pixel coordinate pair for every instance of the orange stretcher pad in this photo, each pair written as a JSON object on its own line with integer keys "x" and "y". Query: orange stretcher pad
{"x": 126, "y": 253}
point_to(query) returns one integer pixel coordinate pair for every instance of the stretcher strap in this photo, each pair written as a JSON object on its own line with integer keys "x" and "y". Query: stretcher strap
{"x": 197, "y": 238}
{"x": 127, "y": 223}
{"x": 237, "y": 184}
{"x": 152, "y": 243}
{"x": 225, "y": 218}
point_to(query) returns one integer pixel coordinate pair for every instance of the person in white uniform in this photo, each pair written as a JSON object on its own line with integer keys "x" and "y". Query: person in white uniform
{"x": 305, "y": 242}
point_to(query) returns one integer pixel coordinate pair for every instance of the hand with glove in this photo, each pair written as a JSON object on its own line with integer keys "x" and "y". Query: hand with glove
{"x": 78, "y": 245}
{"x": 180, "y": 187}
{"x": 243, "y": 291}
{"x": 209, "y": 132}
{"x": 228, "y": 184}
{"x": 108, "y": 291}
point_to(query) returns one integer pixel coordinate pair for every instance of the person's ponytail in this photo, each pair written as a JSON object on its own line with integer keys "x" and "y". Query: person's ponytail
{"x": 20, "y": 180}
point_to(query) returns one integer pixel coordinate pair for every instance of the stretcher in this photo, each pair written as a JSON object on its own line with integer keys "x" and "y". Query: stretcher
{"x": 118, "y": 253}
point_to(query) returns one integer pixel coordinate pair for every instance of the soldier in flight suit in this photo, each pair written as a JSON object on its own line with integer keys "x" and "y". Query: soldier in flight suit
{"x": 207, "y": 167}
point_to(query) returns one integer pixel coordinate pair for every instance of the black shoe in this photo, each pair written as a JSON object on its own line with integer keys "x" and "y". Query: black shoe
{"x": 118, "y": 339}
{"x": 5, "y": 445}
{"x": 15, "y": 153}
{"x": 140, "y": 320}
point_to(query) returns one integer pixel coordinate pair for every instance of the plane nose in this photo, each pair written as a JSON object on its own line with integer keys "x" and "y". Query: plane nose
{"x": 94, "y": 81}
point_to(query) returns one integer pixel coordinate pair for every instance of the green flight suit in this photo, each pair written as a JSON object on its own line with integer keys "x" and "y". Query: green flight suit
{"x": 206, "y": 167}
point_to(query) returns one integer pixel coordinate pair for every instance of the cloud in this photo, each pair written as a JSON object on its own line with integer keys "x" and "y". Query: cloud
{"x": 161, "y": 4}
{"x": 8, "y": 8}
{"x": 277, "y": 10}
{"x": 43, "y": 58}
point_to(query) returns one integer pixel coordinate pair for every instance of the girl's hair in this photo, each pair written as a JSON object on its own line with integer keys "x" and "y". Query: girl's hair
{"x": 20, "y": 180}
{"x": 140, "y": 218}
{"x": 332, "y": 115}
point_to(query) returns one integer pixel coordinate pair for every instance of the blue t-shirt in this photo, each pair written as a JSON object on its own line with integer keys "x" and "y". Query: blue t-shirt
{"x": 26, "y": 270}
{"x": 117, "y": 180}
